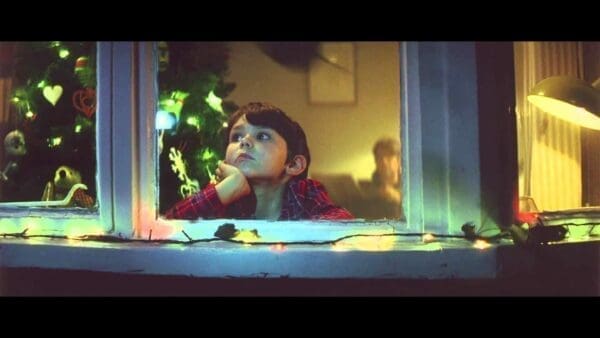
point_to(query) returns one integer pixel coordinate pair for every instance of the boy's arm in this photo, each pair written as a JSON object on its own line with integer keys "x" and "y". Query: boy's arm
{"x": 233, "y": 184}
{"x": 211, "y": 201}
{"x": 205, "y": 203}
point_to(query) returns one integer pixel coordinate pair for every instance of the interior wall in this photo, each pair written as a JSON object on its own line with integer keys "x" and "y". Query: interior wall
{"x": 340, "y": 136}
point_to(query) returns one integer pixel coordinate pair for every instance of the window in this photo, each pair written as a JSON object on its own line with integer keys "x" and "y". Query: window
{"x": 425, "y": 106}
{"x": 455, "y": 171}
{"x": 58, "y": 100}
{"x": 456, "y": 141}
{"x": 439, "y": 149}
{"x": 241, "y": 72}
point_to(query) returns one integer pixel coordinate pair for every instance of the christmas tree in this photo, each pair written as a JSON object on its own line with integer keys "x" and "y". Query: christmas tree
{"x": 52, "y": 117}
{"x": 191, "y": 116}
{"x": 53, "y": 123}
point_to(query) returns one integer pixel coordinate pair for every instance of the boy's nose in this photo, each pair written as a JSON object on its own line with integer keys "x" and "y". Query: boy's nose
{"x": 245, "y": 142}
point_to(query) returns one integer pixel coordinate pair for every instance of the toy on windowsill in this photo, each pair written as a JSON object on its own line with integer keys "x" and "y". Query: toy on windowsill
{"x": 15, "y": 149}
{"x": 65, "y": 179}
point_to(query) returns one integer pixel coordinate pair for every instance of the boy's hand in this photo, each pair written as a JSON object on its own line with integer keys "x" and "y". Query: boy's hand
{"x": 233, "y": 184}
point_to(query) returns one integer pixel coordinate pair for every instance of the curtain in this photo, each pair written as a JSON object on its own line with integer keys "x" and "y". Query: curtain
{"x": 549, "y": 149}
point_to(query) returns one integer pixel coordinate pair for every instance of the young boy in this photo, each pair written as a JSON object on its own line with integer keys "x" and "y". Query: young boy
{"x": 264, "y": 174}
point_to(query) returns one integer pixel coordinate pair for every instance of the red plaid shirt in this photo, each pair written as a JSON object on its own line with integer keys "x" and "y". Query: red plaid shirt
{"x": 303, "y": 199}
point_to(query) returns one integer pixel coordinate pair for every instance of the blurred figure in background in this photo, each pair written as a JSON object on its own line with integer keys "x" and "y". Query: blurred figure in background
{"x": 385, "y": 191}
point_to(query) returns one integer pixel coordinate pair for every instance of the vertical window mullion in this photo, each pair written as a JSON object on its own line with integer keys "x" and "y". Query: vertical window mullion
{"x": 123, "y": 107}
{"x": 104, "y": 134}
{"x": 148, "y": 91}
{"x": 412, "y": 162}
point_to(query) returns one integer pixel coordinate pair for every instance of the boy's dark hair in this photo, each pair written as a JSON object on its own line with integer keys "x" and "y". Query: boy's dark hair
{"x": 267, "y": 115}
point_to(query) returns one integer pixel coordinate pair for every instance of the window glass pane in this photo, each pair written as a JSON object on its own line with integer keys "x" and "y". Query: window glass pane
{"x": 47, "y": 123}
{"x": 559, "y": 156}
{"x": 345, "y": 96}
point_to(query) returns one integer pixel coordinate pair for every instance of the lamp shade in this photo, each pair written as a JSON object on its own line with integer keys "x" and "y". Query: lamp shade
{"x": 568, "y": 98}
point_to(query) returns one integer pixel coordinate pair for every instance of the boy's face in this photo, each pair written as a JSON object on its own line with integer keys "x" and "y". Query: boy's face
{"x": 259, "y": 152}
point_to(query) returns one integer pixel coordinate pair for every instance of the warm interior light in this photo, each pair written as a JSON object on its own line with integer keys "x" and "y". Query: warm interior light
{"x": 566, "y": 111}
{"x": 568, "y": 98}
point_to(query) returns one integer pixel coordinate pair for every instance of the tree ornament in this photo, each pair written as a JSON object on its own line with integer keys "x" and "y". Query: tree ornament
{"x": 85, "y": 72}
{"x": 84, "y": 100}
{"x": 53, "y": 93}
{"x": 174, "y": 104}
{"x": 215, "y": 102}
{"x": 65, "y": 179}
{"x": 188, "y": 186}
{"x": 14, "y": 147}
{"x": 81, "y": 63}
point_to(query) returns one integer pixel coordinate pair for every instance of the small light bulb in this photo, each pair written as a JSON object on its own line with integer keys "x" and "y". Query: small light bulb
{"x": 278, "y": 247}
{"x": 481, "y": 244}
{"x": 63, "y": 53}
{"x": 428, "y": 238}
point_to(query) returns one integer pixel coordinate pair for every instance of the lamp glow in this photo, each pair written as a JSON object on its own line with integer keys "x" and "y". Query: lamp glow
{"x": 569, "y": 99}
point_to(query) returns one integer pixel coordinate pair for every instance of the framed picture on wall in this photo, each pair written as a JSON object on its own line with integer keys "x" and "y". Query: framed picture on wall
{"x": 331, "y": 77}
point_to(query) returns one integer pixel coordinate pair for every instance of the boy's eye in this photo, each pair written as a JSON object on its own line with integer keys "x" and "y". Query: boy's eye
{"x": 235, "y": 137}
{"x": 263, "y": 136}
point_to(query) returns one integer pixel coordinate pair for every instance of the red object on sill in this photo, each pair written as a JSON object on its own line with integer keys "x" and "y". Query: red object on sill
{"x": 527, "y": 217}
{"x": 528, "y": 211}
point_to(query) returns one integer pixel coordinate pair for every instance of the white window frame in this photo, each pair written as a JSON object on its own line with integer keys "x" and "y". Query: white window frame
{"x": 149, "y": 226}
{"x": 129, "y": 182}
{"x": 437, "y": 154}
{"x": 440, "y": 142}
{"x": 71, "y": 222}
{"x": 416, "y": 151}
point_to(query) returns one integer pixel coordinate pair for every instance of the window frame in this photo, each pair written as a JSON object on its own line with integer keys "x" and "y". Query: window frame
{"x": 148, "y": 224}
{"x": 73, "y": 222}
{"x": 129, "y": 123}
{"x": 132, "y": 189}
{"x": 127, "y": 91}
{"x": 439, "y": 148}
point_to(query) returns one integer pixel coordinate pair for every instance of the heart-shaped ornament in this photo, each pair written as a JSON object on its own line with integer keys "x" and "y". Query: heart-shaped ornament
{"x": 84, "y": 100}
{"x": 53, "y": 93}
